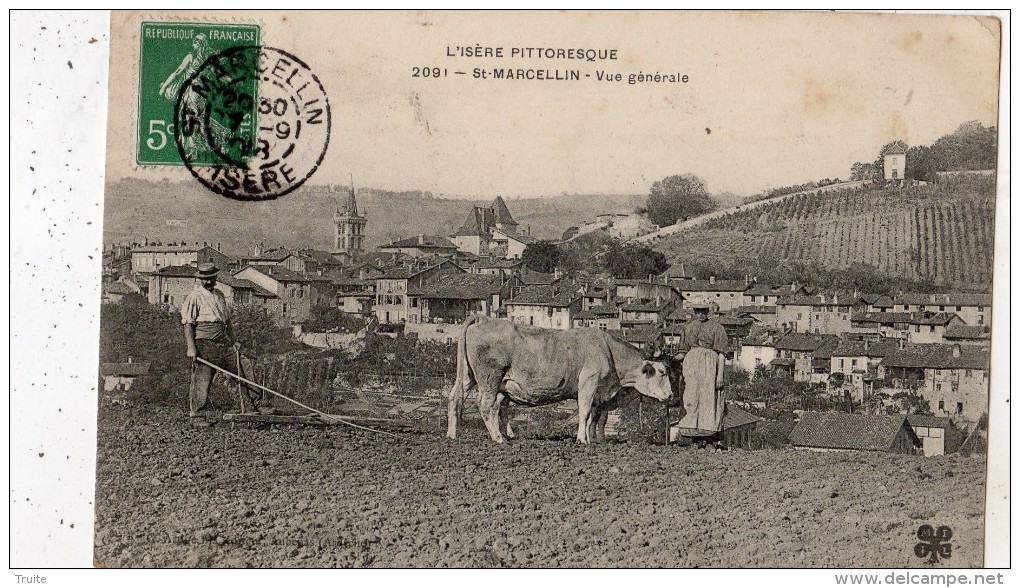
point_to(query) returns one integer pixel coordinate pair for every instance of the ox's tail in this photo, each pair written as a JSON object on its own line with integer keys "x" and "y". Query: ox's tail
{"x": 464, "y": 381}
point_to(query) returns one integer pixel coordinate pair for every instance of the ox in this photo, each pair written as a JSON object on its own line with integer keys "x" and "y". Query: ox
{"x": 532, "y": 366}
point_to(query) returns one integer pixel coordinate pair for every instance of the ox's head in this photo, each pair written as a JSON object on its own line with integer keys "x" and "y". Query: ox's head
{"x": 653, "y": 380}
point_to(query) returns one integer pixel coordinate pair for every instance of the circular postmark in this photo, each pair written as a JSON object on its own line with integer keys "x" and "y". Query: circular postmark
{"x": 252, "y": 123}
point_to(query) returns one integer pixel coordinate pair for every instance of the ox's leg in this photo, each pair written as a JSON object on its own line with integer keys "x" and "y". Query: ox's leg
{"x": 454, "y": 409}
{"x": 503, "y": 402}
{"x": 600, "y": 424}
{"x": 586, "y": 391}
{"x": 489, "y": 405}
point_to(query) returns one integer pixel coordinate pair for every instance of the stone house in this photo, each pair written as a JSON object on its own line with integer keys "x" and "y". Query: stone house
{"x": 394, "y": 302}
{"x": 725, "y": 294}
{"x": 451, "y": 298}
{"x": 552, "y": 307}
{"x": 820, "y": 314}
{"x": 973, "y": 309}
{"x": 805, "y": 356}
{"x": 952, "y": 378}
{"x": 912, "y": 327}
{"x": 296, "y": 294}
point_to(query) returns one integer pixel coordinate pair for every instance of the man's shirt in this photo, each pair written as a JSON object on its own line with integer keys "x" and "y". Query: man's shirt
{"x": 204, "y": 306}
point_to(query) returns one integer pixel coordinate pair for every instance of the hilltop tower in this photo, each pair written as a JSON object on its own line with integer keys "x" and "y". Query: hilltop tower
{"x": 349, "y": 233}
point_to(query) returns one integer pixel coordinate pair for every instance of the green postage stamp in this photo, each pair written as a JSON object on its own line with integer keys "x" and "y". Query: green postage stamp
{"x": 170, "y": 55}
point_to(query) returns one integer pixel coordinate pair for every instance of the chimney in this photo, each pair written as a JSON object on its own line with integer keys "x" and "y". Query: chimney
{"x": 711, "y": 280}
{"x": 793, "y": 286}
{"x": 218, "y": 246}
{"x": 421, "y": 239}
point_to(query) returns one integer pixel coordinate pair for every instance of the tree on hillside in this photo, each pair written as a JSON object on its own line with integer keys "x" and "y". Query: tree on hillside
{"x": 678, "y": 198}
{"x": 541, "y": 256}
{"x": 971, "y": 146}
{"x": 862, "y": 172}
{"x": 630, "y": 261}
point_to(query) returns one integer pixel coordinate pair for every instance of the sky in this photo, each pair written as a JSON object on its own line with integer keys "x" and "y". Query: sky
{"x": 772, "y": 98}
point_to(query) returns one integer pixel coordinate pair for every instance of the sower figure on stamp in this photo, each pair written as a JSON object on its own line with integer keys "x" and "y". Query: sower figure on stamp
{"x": 209, "y": 335}
{"x": 702, "y": 349}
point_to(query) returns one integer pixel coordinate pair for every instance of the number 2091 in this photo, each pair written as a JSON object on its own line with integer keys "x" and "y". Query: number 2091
{"x": 428, "y": 72}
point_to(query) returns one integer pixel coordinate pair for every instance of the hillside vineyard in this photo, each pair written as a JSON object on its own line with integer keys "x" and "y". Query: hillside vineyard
{"x": 943, "y": 233}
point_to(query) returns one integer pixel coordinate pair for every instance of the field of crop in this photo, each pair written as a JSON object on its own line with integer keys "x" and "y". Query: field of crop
{"x": 169, "y": 495}
{"x": 941, "y": 233}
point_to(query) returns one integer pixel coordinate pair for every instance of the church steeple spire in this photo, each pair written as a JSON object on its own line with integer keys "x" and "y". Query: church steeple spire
{"x": 349, "y": 236}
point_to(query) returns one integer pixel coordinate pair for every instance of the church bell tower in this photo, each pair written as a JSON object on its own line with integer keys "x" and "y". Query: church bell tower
{"x": 349, "y": 234}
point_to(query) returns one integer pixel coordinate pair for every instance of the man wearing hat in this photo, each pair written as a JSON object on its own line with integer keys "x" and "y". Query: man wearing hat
{"x": 702, "y": 349}
{"x": 208, "y": 334}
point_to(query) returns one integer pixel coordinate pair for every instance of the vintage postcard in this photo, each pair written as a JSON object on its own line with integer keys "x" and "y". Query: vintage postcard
{"x": 552, "y": 290}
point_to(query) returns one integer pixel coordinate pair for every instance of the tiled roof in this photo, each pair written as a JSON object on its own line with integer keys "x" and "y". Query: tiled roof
{"x": 461, "y": 286}
{"x": 239, "y": 284}
{"x": 751, "y": 309}
{"x": 428, "y": 241}
{"x": 783, "y": 361}
{"x": 501, "y": 214}
{"x": 673, "y": 329}
{"x": 825, "y": 350}
{"x": 967, "y": 332}
{"x": 177, "y": 271}
{"x": 910, "y": 318}
{"x": 709, "y": 286}
{"x": 961, "y": 299}
{"x": 764, "y": 338}
{"x": 643, "y": 307}
{"x": 136, "y": 368}
{"x": 167, "y": 248}
{"x": 737, "y": 417}
{"x": 546, "y": 296}
{"x": 865, "y": 348}
{"x": 642, "y": 334}
{"x": 879, "y": 301}
{"x": 605, "y": 310}
{"x": 804, "y": 341}
{"x": 404, "y": 272}
{"x": 477, "y": 222}
{"x": 735, "y": 321}
{"x": 677, "y": 270}
{"x": 497, "y": 263}
{"x": 927, "y": 420}
{"x": 278, "y": 254}
{"x": 639, "y": 282}
{"x": 532, "y": 278}
{"x": 321, "y": 257}
{"x": 831, "y": 299}
{"x": 520, "y": 238}
{"x": 117, "y": 288}
{"x": 282, "y": 274}
{"x": 836, "y": 430}
{"x": 939, "y": 356}
{"x": 760, "y": 289}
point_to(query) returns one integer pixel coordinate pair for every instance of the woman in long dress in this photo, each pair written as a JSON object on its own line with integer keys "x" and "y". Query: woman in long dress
{"x": 703, "y": 350}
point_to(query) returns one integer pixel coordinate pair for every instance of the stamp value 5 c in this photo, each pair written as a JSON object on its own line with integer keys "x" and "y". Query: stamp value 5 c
{"x": 171, "y": 54}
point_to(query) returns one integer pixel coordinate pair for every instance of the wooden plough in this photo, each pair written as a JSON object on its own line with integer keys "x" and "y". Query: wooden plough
{"x": 316, "y": 417}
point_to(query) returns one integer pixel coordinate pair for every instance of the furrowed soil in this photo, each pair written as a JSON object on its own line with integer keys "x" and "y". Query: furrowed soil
{"x": 169, "y": 495}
